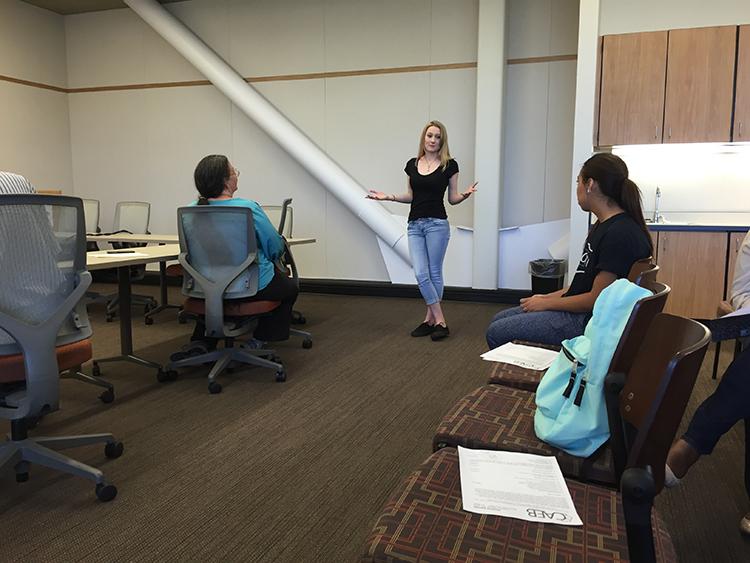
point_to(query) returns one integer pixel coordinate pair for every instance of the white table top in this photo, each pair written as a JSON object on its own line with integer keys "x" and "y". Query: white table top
{"x": 156, "y": 239}
{"x": 102, "y": 259}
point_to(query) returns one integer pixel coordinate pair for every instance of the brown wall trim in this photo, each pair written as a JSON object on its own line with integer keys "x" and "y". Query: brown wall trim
{"x": 34, "y": 84}
{"x": 251, "y": 79}
{"x": 549, "y": 59}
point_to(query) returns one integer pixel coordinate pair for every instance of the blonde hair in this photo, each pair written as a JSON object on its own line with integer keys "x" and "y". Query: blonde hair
{"x": 444, "y": 152}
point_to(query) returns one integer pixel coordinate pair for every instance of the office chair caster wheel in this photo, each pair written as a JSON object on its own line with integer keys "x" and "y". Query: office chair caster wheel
{"x": 107, "y": 396}
{"x": 113, "y": 450}
{"x": 149, "y": 321}
{"x": 109, "y": 318}
{"x": 96, "y": 370}
{"x": 214, "y": 387}
{"x": 307, "y": 343}
{"x": 280, "y": 376}
{"x": 180, "y": 319}
{"x": 162, "y": 376}
{"x": 105, "y": 492}
{"x": 22, "y": 477}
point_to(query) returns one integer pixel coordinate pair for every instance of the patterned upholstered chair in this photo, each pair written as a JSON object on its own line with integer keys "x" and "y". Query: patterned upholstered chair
{"x": 643, "y": 273}
{"x": 423, "y": 519}
{"x": 499, "y": 417}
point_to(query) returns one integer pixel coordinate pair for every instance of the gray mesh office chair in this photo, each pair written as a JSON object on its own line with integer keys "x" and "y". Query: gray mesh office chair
{"x": 217, "y": 252}
{"x": 283, "y": 216}
{"x": 134, "y": 217}
{"x": 42, "y": 280}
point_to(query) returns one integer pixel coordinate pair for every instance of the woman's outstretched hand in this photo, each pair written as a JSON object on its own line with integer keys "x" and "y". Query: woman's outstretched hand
{"x": 470, "y": 190}
{"x": 373, "y": 194}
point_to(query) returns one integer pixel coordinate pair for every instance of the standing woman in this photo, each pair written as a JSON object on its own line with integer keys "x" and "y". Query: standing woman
{"x": 430, "y": 173}
{"x": 617, "y": 240}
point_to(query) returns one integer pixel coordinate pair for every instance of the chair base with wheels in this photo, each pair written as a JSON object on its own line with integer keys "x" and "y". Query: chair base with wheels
{"x": 197, "y": 353}
{"x": 19, "y": 451}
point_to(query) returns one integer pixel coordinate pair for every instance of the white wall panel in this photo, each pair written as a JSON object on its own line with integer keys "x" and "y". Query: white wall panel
{"x": 525, "y": 141}
{"x": 646, "y": 15}
{"x": 272, "y": 38}
{"x": 559, "y": 145}
{"x": 32, "y": 43}
{"x": 454, "y": 31}
{"x": 377, "y": 33}
{"x": 106, "y": 48}
{"x": 529, "y": 28}
{"x": 563, "y": 38}
{"x": 35, "y": 140}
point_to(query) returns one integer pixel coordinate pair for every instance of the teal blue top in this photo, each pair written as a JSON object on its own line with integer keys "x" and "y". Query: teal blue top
{"x": 270, "y": 243}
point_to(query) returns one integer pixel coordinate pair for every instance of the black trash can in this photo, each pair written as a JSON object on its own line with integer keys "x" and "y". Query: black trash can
{"x": 547, "y": 274}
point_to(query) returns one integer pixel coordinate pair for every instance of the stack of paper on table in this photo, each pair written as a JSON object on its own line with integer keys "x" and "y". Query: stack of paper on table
{"x": 529, "y": 357}
{"x": 515, "y": 485}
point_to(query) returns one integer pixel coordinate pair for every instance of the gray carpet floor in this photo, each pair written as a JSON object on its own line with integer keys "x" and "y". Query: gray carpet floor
{"x": 293, "y": 471}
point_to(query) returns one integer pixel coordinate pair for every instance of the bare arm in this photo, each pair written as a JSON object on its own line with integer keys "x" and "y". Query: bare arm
{"x": 454, "y": 196}
{"x": 583, "y": 303}
{"x": 401, "y": 198}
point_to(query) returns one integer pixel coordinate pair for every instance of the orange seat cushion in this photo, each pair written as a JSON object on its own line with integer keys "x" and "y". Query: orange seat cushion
{"x": 68, "y": 356}
{"x": 232, "y": 307}
{"x": 175, "y": 270}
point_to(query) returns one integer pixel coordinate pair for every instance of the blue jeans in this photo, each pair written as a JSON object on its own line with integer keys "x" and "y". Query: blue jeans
{"x": 545, "y": 327}
{"x": 428, "y": 240}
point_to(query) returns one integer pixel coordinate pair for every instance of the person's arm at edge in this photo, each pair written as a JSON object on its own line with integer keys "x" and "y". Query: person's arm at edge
{"x": 582, "y": 303}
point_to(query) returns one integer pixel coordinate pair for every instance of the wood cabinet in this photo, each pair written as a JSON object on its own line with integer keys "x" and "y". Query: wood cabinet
{"x": 742, "y": 96}
{"x": 700, "y": 85}
{"x": 631, "y": 103}
{"x": 735, "y": 241}
{"x": 693, "y": 265}
{"x": 674, "y": 86}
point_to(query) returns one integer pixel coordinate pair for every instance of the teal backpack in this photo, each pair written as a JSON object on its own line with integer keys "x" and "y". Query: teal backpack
{"x": 571, "y": 412}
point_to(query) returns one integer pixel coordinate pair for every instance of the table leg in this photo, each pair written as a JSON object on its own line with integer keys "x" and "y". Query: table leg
{"x": 164, "y": 298}
{"x": 126, "y": 329}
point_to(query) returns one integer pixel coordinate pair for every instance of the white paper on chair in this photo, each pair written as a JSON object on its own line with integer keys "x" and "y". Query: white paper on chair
{"x": 530, "y": 357}
{"x": 514, "y": 485}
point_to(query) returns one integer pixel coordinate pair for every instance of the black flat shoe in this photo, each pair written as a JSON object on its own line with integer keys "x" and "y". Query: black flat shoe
{"x": 439, "y": 332}
{"x": 423, "y": 330}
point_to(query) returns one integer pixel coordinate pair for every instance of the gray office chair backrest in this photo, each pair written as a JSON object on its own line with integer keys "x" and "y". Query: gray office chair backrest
{"x": 42, "y": 280}
{"x": 282, "y": 216}
{"x": 133, "y": 216}
{"x": 218, "y": 253}
{"x": 91, "y": 214}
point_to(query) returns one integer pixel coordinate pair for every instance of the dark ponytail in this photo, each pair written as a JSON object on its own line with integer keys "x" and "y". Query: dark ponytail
{"x": 611, "y": 174}
{"x": 210, "y": 176}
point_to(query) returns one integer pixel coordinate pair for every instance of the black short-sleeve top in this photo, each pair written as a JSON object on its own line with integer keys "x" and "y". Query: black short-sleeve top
{"x": 612, "y": 246}
{"x": 428, "y": 190}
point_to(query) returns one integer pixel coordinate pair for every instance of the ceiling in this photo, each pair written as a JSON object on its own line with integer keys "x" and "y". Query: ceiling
{"x": 66, "y": 7}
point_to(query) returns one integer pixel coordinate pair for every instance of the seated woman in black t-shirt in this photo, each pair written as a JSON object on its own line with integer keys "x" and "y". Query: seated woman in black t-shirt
{"x": 618, "y": 239}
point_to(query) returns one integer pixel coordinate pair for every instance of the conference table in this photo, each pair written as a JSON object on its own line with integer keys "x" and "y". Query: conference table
{"x": 164, "y": 250}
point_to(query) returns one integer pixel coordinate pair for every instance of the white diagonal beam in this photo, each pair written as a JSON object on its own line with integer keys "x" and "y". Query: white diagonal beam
{"x": 273, "y": 122}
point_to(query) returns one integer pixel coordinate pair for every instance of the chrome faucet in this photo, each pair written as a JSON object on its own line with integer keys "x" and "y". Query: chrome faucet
{"x": 657, "y": 218}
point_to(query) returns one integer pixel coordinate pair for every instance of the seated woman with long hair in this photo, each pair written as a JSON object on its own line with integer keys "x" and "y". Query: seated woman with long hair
{"x": 216, "y": 182}
{"x": 617, "y": 240}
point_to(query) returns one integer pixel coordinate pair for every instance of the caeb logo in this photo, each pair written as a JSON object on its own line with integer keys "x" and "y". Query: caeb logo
{"x": 553, "y": 516}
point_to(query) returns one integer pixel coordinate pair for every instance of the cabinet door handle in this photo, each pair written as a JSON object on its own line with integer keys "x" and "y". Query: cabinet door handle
{"x": 670, "y": 133}
{"x": 740, "y": 129}
{"x": 656, "y": 132}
